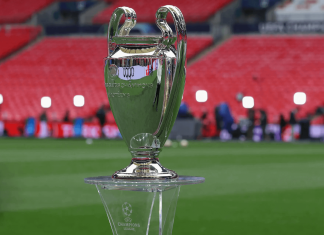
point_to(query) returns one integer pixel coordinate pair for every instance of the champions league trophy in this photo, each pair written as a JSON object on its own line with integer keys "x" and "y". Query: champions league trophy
{"x": 144, "y": 78}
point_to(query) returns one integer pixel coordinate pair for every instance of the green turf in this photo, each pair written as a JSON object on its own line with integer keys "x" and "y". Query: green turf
{"x": 250, "y": 188}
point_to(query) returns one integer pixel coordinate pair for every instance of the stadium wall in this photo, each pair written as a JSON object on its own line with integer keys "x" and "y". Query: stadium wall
{"x": 43, "y": 129}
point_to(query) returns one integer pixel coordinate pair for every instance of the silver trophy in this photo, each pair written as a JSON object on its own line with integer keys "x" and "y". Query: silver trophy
{"x": 144, "y": 79}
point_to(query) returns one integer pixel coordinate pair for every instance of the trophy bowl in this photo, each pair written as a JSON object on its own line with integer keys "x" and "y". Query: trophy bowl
{"x": 144, "y": 79}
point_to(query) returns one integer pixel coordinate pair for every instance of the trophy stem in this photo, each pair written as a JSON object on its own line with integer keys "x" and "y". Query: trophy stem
{"x": 145, "y": 168}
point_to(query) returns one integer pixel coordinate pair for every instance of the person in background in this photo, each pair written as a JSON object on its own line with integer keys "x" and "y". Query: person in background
{"x": 43, "y": 117}
{"x": 251, "y": 118}
{"x": 66, "y": 116}
{"x": 205, "y": 124}
{"x": 319, "y": 110}
{"x": 218, "y": 119}
{"x": 263, "y": 123}
{"x": 293, "y": 122}
{"x": 305, "y": 127}
{"x": 226, "y": 117}
{"x": 282, "y": 123}
{"x": 101, "y": 115}
{"x": 292, "y": 119}
{"x": 184, "y": 111}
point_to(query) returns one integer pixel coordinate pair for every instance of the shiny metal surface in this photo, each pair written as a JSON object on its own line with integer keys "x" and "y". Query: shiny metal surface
{"x": 144, "y": 79}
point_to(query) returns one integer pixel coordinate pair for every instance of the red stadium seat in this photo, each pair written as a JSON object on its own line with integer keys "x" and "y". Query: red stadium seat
{"x": 197, "y": 44}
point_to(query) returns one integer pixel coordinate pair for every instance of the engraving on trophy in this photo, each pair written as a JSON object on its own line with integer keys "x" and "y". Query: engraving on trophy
{"x": 113, "y": 69}
{"x": 129, "y": 85}
{"x": 118, "y": 95}
{"x": 128, "y": 72}
{"x": 127, "y": 212}
{"x": 127, "y": 209}
{"x": 137, "y": 71}
{"x": 128, "y": 220}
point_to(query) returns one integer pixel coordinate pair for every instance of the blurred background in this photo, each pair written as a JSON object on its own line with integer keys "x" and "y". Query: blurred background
{"x": 254, "y": 74}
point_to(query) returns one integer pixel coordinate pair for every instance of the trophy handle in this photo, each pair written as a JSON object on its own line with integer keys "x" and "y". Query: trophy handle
{"x": 129, "y": 23}
{"x": 173, "y": 97}
{"x": 167, "y": 34}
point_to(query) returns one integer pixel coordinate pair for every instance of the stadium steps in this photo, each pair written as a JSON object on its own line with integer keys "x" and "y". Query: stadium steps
{"x": 20, "y": 50}
{"x": 44, "y": 16}
{"x": 205, "y": 51}
{"x": 23, "y": 36}
{"x": 87, "y": 16}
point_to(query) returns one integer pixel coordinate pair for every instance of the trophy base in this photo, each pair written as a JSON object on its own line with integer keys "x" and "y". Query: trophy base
{"x": 145, "y": 168}
{"x": 137, "y": 207}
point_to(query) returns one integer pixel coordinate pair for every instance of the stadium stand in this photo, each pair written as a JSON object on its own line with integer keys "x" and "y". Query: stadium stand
{"x": 268, "y": 68}
{"x": 197, "y": 44}
{"x": 194, "y": 11}
{"x": 18, "y": 11}
{"x": 15, "y": 37}
{"x": 60, "y": 68}
{"x": 300, "y": 11}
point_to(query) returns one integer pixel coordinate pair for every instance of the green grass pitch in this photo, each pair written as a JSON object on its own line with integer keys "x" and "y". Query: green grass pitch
{"x": 250, "y": 188}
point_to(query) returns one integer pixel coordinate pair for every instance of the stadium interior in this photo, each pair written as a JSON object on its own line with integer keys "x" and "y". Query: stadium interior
{"x": 48, "y": 46}
{"x": 255, "y": 71}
